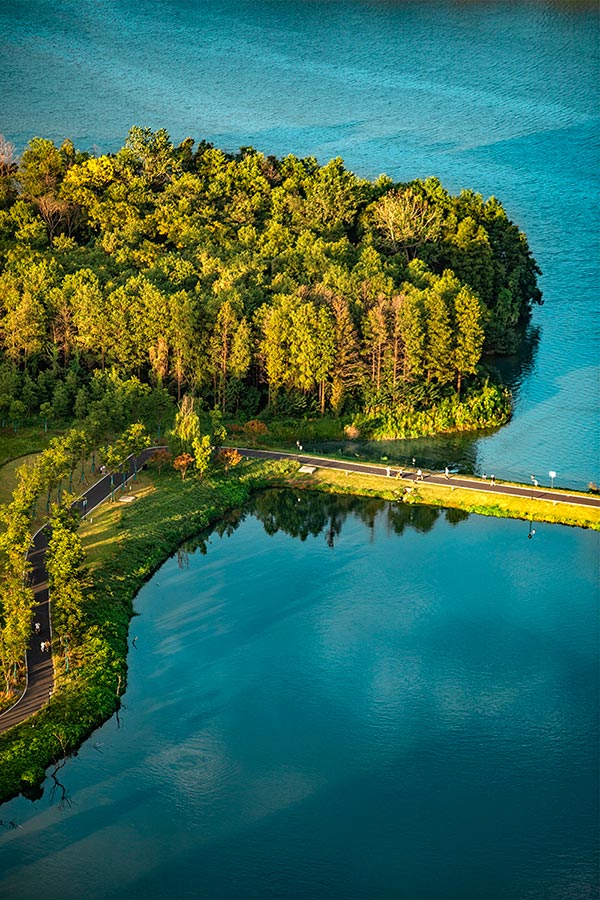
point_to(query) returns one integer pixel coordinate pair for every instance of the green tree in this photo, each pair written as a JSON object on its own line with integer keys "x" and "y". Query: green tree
{"x": 64, "y": 558}
{"x": 439, "y": 349}
{"x": 469, "y": 334}
{"x": 407, "y": 221}
{"x": 203, "y": 450}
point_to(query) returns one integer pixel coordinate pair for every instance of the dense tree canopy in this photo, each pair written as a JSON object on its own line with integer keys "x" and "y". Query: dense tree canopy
{"x": 253, "y": 282}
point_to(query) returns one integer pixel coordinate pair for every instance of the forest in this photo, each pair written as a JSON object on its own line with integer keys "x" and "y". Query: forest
{"x": 263, "y": 287}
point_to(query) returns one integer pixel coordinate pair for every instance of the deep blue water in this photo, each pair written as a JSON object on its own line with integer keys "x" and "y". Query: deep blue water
{"x": 501, "y": 97}
{"x": 394, "y": 707}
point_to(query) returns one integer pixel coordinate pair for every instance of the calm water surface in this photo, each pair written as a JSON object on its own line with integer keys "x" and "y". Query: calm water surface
{"x": 502, "y": 97}
{"x": 342, "y": 699}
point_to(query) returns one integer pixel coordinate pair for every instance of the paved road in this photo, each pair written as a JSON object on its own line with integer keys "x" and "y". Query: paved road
{"x": 39, "y": 664}
{"x": 40, "y": 672}
{"x": 410, "y": 475}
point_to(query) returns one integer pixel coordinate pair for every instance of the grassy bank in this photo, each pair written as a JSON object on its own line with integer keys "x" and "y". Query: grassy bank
{"x": 473, "y": 501}
{"x": 29, "y": 439}
{"x": 125, "y": 544}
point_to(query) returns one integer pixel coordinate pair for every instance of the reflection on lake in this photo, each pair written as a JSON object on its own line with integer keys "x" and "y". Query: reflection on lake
{"x": 341, "y": 698}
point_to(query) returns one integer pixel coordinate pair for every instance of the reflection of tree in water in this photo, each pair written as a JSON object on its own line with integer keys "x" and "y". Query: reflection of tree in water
{"x": 515, "y": 369}
{"x": 455, "y": 516}
{"x": 405, "y": 515}
{"x": 58, "y": 788}
{"x": 304, "y": 513}
{"x": 225, "y": 527}
{"x": 310, "y": 513}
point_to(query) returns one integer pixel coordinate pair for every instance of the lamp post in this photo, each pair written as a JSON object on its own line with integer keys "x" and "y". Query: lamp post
{"x": 552, "y": 477}
{"x": 532, "y": 484}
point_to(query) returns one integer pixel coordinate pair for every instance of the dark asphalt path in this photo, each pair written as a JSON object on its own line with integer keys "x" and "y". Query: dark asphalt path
{"x": 40, "y": 672}
{"x": 410, "y": 475}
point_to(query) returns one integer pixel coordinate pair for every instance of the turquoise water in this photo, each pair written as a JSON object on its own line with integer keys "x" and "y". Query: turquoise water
{"x": 342, "y": 699}
{"x": 502, "y": 97}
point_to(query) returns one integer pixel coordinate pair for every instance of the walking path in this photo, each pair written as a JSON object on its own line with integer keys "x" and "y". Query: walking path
{"x": 40, "y": 671}
{"x": 40, "y": 680}
{"x": 410, "y": 475}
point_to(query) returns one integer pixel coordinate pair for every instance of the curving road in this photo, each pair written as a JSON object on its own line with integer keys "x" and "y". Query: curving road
{"x": 40, "y": 672}
{"x": 39, "y": 663}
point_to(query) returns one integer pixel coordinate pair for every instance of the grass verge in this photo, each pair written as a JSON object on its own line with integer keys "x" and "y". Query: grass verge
{"x": 472, "y": 501}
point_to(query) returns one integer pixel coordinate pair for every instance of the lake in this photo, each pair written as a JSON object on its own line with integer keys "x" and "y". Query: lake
{"x": 340, "y": 698}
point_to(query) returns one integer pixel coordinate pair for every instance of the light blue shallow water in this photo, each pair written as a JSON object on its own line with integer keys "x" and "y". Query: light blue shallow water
{"x": 502, "y": 97}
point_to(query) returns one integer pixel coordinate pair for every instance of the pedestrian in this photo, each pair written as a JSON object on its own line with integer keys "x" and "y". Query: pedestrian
{"x": 419, "y": 475}
{"x": 447, "y": 472}
{"x": 388, "y": 471}
{"x": 37, "y": 627}
{"x": 484, "y": 476}
{"x": 47, "y": 647}
{"x": 493, "y": 480}
{"x": 43, "y": 646}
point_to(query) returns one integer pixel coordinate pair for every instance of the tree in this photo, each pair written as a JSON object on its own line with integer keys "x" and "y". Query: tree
{"x": 135, "y": 439}
{"x": 42, "y": 168}
{"x": 83, "y": 294}
{"x": 152, "y": 154}
{"x": 8, "y": 171}
{"x": 203, "y": 450}
{"x": 469, "y": 334}
{"x": 407, "y": 221}
{"x": 186, "y": 429}
{"x": 346, "y": 351}
{"x": 63, "y": 562}
{"x": 159, "y": 458}
{"x": 221, "y": 346}
{"x": 182, "y": 338}
{"x": 254, "y": 429}
{"x": 16, "y": 597}
{"x": 438, "y": 354}
{"x": 276, "y": 326}
{"x": 229, "y": 457}
{"x": 411, "y": 314}
{"x": 23, "y": 296}
{"x": 375, "y": 329}
{"x": 182, "y": 463}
